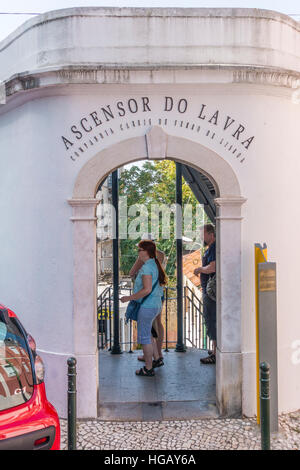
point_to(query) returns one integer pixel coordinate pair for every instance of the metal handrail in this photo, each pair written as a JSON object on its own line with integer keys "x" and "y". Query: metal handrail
{"x": 194, "y": 326}
{"x": 201, "y": 341}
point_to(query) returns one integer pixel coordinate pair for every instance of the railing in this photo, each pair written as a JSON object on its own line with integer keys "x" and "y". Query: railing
{"x": 195, "y": 335}
{"x": 195, "y": 329}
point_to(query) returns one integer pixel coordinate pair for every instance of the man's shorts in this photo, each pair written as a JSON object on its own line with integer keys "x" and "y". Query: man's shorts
{"x": 209, "y": 314}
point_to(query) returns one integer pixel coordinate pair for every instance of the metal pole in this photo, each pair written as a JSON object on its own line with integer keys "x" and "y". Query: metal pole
{"x": 166, "y": 309}
{"x": 106, "y": 326}
{"x": 72, "y": 403}
{"x": 265, "y": 405}
{"x": 189, "y": 320}
{"x": 179, "y": 346}
{"x": 130, "y": 330}
{"x": 116, "y": 349}
{"x": 98, "y": 329}
{"x": 184, "y": 316}
{"x": 110, "y": 320}
{"x": 193, "y": 320}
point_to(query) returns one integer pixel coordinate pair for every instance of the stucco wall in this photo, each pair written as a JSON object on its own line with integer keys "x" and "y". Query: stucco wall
{"x": 39, "y": 175}
{"x": 159, "y": 36}
{"x": 251, "y": 126}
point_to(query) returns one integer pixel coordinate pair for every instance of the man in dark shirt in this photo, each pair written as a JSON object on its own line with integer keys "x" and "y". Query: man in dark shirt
{"x": 206, "y": 271}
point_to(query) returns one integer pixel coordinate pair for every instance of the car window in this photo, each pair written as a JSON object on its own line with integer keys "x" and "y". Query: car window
{"x": 16, "y": 379}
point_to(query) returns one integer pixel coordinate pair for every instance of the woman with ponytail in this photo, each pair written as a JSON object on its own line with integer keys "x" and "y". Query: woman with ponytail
{"x": 148, "y": 282}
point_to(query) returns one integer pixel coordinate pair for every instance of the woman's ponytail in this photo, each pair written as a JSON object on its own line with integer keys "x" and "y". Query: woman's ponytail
{"x": 162, "y": 276}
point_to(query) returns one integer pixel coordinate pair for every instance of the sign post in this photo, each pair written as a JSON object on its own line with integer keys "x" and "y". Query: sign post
{"x": 266, "y": 328}
{"x": 260, "y": 253}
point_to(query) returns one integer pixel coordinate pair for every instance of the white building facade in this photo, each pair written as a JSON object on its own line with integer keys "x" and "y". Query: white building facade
{"x": 91, "y": 89}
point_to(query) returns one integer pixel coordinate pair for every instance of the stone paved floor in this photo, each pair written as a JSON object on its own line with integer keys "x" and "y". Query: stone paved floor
{"x": 182, "y": 389}
{"x": 203, "y": 434}
{"x": 181, "y": 383}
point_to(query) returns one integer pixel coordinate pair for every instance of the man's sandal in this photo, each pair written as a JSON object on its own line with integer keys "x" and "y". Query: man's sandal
{"x": 157, "y": 362}
{"x": 144, "y": 372}
{"x": 209, "y": 359}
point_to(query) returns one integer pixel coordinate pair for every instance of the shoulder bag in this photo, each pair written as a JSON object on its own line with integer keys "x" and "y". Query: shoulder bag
{"x": 211, "y": 287}
{"x": 134, "y": 306}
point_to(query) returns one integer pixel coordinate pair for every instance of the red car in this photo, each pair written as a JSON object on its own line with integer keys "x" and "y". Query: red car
{"x": 28, "y": 421}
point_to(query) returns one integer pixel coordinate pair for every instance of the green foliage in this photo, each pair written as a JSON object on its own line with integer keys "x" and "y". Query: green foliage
{"x": 153, "y": 183}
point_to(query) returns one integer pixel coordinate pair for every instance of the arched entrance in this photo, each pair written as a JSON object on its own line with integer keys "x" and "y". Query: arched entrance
{"x": 156, "y": 144}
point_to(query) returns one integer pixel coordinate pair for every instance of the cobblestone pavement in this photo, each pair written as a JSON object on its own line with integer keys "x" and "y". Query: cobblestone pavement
{"x": 212, "y": 434}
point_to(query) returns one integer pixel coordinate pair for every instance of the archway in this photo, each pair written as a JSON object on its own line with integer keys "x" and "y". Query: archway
{"x": 156, "y": 144}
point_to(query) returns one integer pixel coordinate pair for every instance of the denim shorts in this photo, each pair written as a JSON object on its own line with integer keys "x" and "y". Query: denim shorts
{"x": 209, "y": 314}
{"x": 144, "y": 323}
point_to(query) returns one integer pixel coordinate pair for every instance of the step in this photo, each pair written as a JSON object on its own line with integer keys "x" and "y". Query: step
{"x": 157, "y": 411}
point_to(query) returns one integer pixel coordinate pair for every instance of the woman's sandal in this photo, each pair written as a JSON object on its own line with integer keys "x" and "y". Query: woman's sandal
{"x": 157, "y": 362}
{"x": 142, "y": 359}
{"x": 209, "y": 359}
{"x": 144, "y": 372}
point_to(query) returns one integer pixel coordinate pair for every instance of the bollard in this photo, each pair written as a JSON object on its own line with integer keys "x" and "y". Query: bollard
{"x": 72, "y": 403}
{"x": 265, "y": 405}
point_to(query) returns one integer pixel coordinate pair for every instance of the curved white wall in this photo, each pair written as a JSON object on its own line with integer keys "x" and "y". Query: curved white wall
{"x": 121, "y": 37}
{"x": 38, "y": 170}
